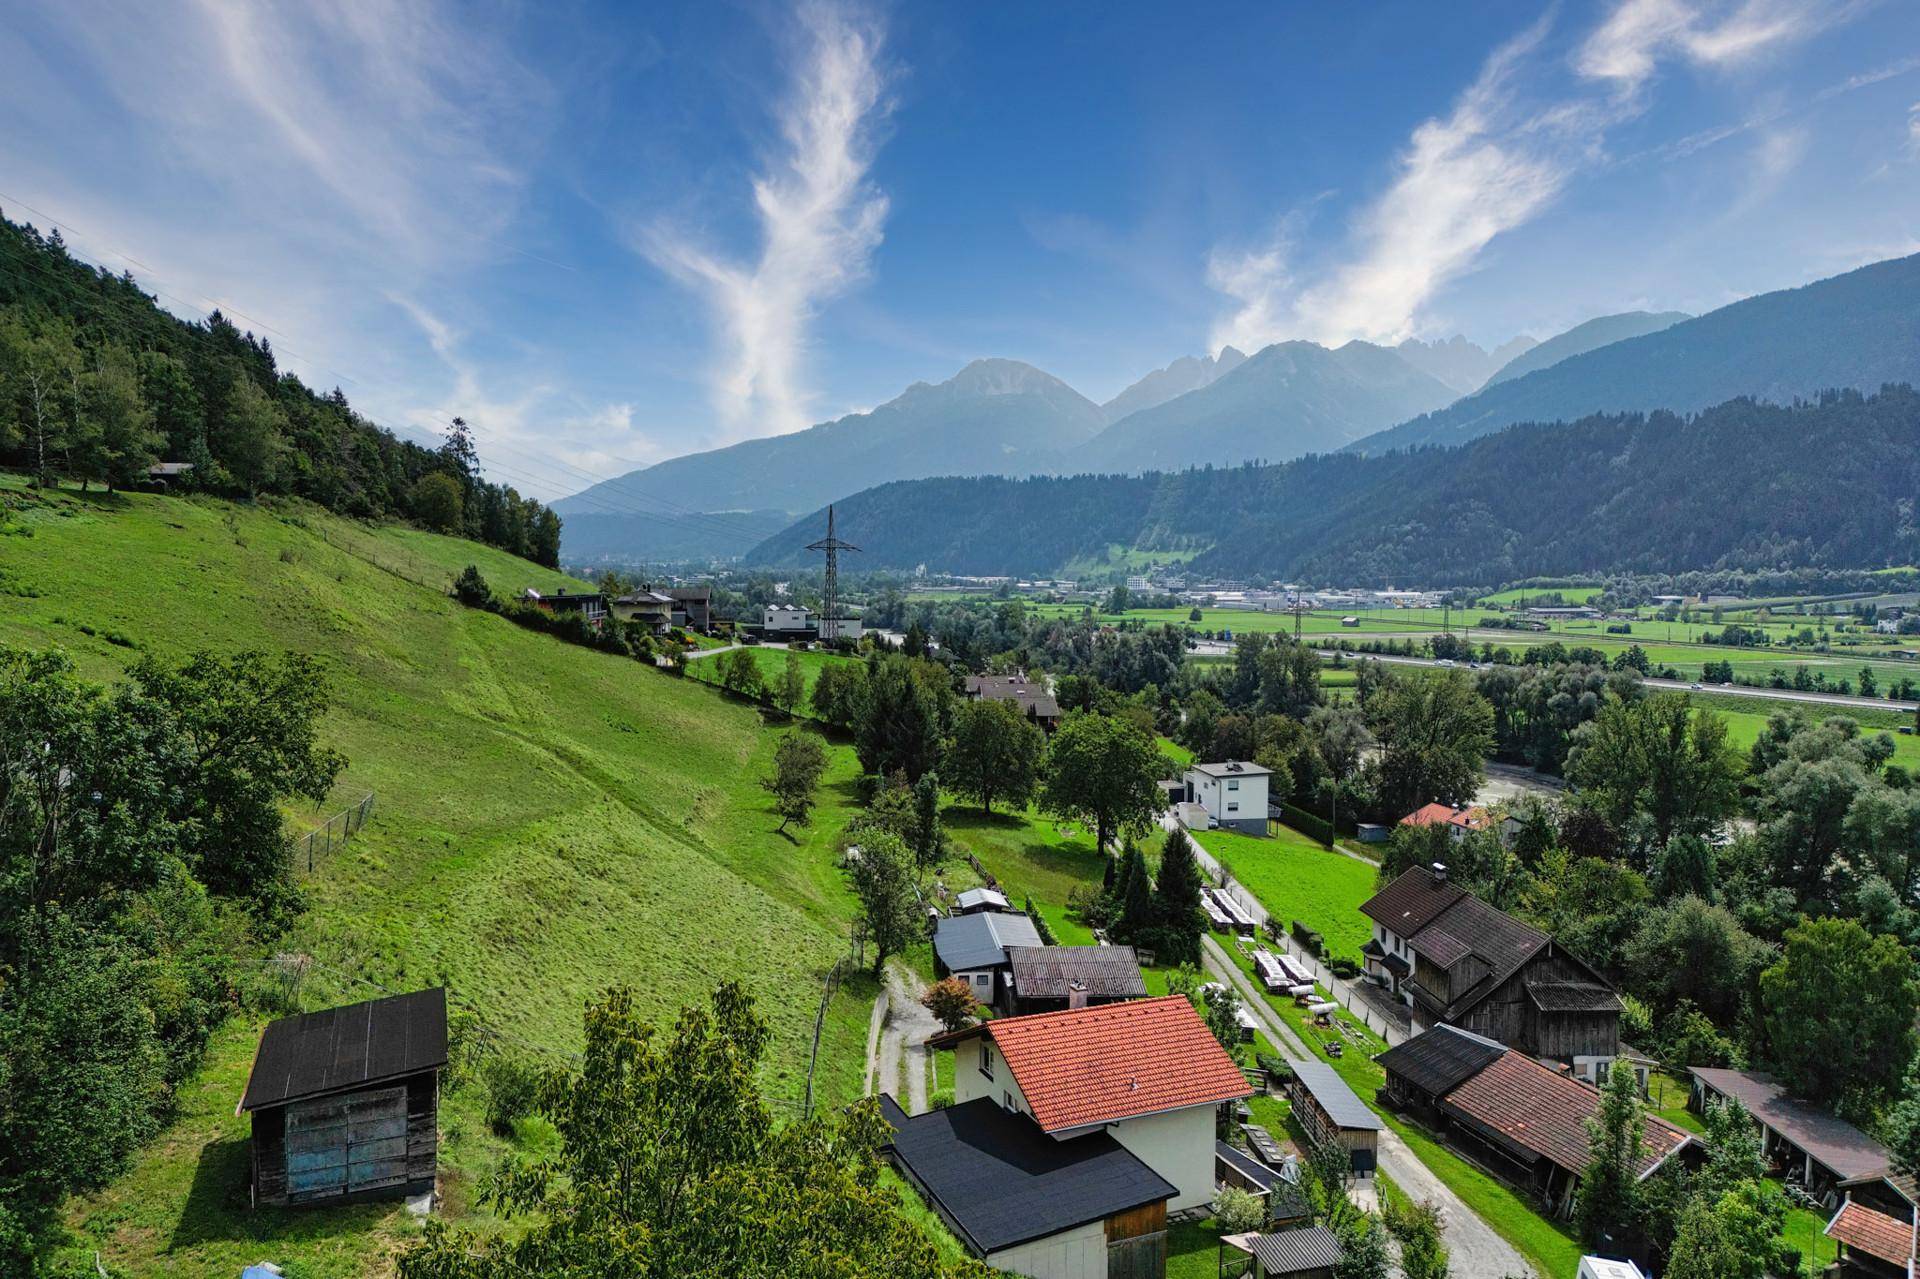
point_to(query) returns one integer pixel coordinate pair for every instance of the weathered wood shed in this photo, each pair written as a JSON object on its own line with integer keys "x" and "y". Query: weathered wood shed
{"x": 345, "y": 1102}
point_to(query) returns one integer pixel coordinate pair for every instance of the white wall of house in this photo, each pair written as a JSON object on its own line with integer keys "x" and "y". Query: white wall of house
{"x": 1080, "y": 1253}
{"x": 1239, "y": 801}
{"x": 996, "y": 1083}
{"x": 1177, "y": 1144}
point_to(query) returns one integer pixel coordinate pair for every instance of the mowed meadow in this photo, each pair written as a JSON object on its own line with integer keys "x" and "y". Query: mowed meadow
{"x": 549, "y": 821}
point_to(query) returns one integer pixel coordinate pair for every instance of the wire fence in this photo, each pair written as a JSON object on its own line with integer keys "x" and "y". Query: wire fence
{"x": 340, "y": 828}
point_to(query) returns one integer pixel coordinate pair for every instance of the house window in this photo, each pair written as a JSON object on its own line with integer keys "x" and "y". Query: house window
{"x": 986, "y": 1060}
{"x": 1006, "y": 1099}
{"x": 1233, "y": 807}
{"x": 1233, "y": 784}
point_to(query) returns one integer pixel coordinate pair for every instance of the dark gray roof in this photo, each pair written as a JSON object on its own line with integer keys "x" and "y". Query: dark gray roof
{"x": 1045, "y": 972}
{"x": 1340, "y": 1102}
{"x": 1572, "y": 997}
{"x": 1831, "y": 1140}
{"x": 1233, "y": 768}
{"x": 980, "y": 941}
{"x": 999, "y": 1181}
{"x": 1448, "y": 926}
{"x": 1246, "y": 1165}
{"x": 1439, "y": 1059}
{"x": 352, "y": 1047}
{"x": 1288, "y": 1252}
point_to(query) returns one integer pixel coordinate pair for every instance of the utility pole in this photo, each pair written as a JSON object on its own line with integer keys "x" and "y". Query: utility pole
{"x": 830, "y": 597}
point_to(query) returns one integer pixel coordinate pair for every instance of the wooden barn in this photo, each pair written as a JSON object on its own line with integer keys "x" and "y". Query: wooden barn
{"x": 345, "y": 1102}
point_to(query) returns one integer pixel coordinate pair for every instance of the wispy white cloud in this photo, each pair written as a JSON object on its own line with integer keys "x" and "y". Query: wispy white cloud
{"x": 820, "y": 220}
{"x": 1493, "y": 163}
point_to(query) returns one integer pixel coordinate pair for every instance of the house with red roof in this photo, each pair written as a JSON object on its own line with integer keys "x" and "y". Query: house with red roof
{"x": 1146, "y": 1072}
{"x": 1460, "y": 822}
{"x": 1878, "y": 1226}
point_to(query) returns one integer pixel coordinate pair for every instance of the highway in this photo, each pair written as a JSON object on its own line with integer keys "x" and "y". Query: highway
{"x": 1730, "y": 690}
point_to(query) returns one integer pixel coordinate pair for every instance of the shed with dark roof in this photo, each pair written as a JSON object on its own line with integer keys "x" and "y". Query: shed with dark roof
{"x": 1824, "y": 1148}
{"x": 975, "y": 947}
{"x": 1332, "y": 1114}
{"x": 345, "y": 1102}
{"x": 1309, "y": 1252}
{"x": 1425, "y": 1068}
{"x": 1021, "y": 1200}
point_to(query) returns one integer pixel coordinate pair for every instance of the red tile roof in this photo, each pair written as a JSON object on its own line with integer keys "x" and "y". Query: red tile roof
{"x": 1097, "y": 1065}
{"x": 1537, "y": 1109}
{"x": 1874, "y": 1233}
{"x": 1429, "y": 815}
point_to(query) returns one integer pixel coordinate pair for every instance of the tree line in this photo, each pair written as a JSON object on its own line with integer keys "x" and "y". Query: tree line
{"x": 97, "y": 384}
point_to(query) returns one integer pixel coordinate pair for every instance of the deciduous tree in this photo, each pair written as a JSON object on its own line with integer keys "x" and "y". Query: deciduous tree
{"x": 1105, "y": 772}
{"x": 1838, "y": 1008}
{"x": 798, "y": 761}
{"x": 996, "y": 753}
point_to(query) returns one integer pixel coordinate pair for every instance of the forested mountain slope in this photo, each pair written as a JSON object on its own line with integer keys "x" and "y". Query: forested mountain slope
{"x": 97, "y": 383}
{"x": 1859, "y": 330}
{"x": 1601, "y": 331}
{"x": 550, "y": 820}
{"x": 1734, "y": 487}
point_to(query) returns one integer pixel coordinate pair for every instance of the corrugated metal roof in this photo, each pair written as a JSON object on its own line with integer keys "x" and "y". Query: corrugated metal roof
{"x": 1288, "y": 1252}
{"x": 1341, "y": 1103}
{"x": 1046, "y": 972}
{"x": 1439, "y": 1059}
{"x": 966, "y": 942}
{"x": 1535, "y": 1109}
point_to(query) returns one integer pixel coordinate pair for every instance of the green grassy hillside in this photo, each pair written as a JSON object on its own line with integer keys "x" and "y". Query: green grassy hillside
{"x": 550, "y": 820}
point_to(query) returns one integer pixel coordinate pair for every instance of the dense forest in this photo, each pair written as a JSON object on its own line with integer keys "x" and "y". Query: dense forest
{"x": 98, "y": 383}
{"x": 1734, "y": 488}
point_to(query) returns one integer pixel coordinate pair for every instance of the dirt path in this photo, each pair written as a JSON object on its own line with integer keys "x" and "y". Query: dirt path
{"x": 898, "y": 1062}
{"x": 1477, "y": 1251}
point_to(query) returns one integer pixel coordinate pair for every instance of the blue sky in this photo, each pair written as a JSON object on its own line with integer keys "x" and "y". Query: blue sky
{"x": 608, "y": 234}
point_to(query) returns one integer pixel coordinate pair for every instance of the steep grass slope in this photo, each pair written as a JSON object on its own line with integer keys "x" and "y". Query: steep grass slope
{"x": 549, "y": 821}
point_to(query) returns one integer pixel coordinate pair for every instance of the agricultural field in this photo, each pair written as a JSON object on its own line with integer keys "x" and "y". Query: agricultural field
{"x": 550, "y": 821}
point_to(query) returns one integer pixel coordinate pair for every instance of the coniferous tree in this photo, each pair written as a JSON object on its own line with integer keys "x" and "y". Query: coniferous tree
{"x": 1176, "y": 902}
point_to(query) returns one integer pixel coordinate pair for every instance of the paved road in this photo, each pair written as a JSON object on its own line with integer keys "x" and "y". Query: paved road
{"x": 1477, "y": 1252}
{"x": 1732, "y": 690}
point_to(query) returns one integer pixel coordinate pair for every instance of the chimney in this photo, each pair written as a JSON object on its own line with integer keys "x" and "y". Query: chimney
{"x": 1076, "y": 994}
{"x": 1439, "y": 872}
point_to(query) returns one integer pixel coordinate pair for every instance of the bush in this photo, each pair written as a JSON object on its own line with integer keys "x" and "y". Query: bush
{"x": 952, "y": 1001}
{"x": 511, "y": 1084}
{"x": 1238, "y": 1210}
{"x": 1343, "y": 968}
{"x": 1307, "y": 824}
{"x": 941, "y": 1099}
{"x": 1315, "y": 944}
{"x": 471, "y": 589}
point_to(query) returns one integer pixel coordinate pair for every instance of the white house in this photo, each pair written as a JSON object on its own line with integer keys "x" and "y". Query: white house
{"x": 785, "y": 619}
{"x": 1146, "y": 1071}
{"x": 1234, "y": 794}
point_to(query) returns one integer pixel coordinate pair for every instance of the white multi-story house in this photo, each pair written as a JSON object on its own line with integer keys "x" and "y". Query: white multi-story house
{"x": 1234, "y": 794}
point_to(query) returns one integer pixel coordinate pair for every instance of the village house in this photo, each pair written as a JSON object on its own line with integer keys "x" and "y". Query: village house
{"x": 345, "y": 1102}
{"x": 1147, "y": 1072}
{"x": 1233, "y": 793}
{"x": 974, "y": 900}
{"x": 1024, "y": 1202}
{"x": 1878, "y": 1226}
{"x": 1460, "y": 822}
{"x": 591, "y": 605}
{"x": 1031, "y": 696}
{"x": 1045, "y": 979}
{"x": 1824, "y": 1150}
{"x": 974, "y": 949}
{"x": 651, "y": 609}
{"x": 1332, "y": 1114}
{"x": 1519, "y": 1117}
{"x": 778, "y": 621}
{"x": 692, "y": 607}
{"x": 1456, "y": 961}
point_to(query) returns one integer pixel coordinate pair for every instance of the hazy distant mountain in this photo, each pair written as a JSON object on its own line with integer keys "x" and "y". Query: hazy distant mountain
{"x": 993, "y": 417}
{"x": 1290, "y": 398}
{"x": 1188, "y": 373}
{"x": 1861, "y": 330}
{"x": 590, "y": 537}
{"x": 1581, "y": 338}
{"x": 1464, "y": 366}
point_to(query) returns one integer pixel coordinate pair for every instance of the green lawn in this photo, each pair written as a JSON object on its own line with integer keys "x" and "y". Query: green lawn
{"x": 1295, "y": 878}
{"x": 772, "y": 663}
{"x": 550, "y": 821}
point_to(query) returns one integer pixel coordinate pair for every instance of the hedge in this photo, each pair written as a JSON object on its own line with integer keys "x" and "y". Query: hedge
{"x": 1307, "y": 824}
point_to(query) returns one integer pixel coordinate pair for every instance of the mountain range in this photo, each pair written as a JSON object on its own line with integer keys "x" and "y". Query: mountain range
{"x": 1003, "y": 417}
{"x": 1733, "y": 487}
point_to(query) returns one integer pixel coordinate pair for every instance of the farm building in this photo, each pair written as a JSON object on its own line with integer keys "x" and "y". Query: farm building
{"x": 1045, "y": 979}
{"x": 1146, "y": 1071}
{"x": 1031, "y": 696}
{"x": 1332, "y": 1115}
{"x": 1085, "y": 1208}
{"x": 345, "y": 1102}
{"x": 1456, "y": 961}
{"x": 1823, "y": 1148}
{"x": 974, "y": 949}
{"x": 1519, "y": 1117}
{"x": 1878, "y": 1226}
{"x": 1234, "y": 794}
